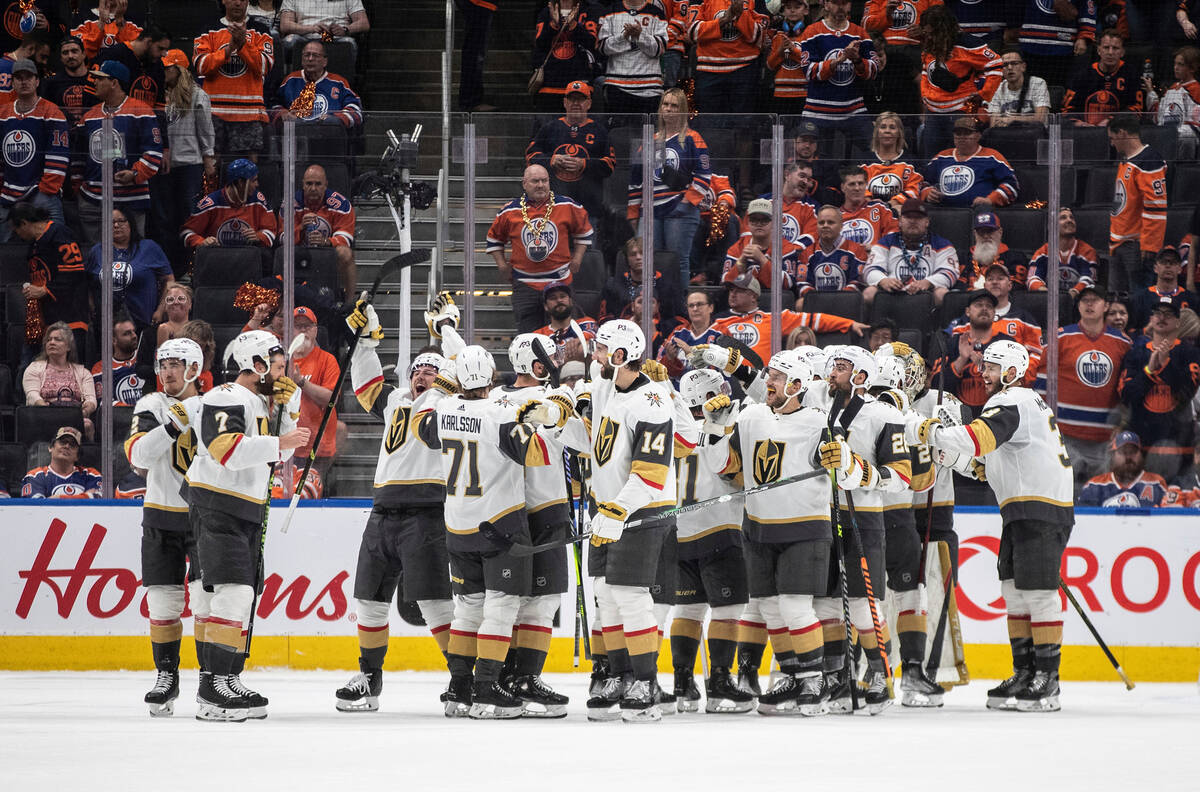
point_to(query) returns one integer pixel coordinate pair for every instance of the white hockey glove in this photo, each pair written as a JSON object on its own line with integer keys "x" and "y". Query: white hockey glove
{"x": 442, "y": 313}
{"x": 363, "y": 317}
{"x": 860, "y": 475}
{"x": 720, "y": 413}
{"x": 918, "y": 430}
{"x": 554, "y": 410}
{"x": 608, "y": 524}
{"x": 452, "y": 343}
{"x": 718, "y": 357}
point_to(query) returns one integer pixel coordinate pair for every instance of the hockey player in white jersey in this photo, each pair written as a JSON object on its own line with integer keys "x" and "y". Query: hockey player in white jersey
{"x": 483, "y": 461}
{"x": 788, "y": 534}
{"x": 403, "y": 543}
{"x": 228, "y": 489}
{"x": 1026, "y": 464}
{"x": 869, "y": 456}
{"x": 711, "y": 562}
{"x": 162, "y": 443}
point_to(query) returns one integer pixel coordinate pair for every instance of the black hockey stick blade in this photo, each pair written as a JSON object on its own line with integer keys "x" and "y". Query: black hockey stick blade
{"x": 396, "y": 263}
{"x": 729, "y": 342}
{"x": 523, "y": 550}
{"x": 551, "y": 369}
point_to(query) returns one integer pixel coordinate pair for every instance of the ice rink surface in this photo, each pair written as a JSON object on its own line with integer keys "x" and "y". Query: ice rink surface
{"x": 90, "y": 731}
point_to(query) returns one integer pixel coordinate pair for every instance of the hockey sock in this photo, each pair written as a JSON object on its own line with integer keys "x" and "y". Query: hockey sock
{"x": 533, "y": 644}
{"x": 911, "y": 628}
{"x": 373, "y": 645}
{"x": 781, "y": 646}
{"x": 1046, "y": 627}
{"x": 222, "y": 658}
{"x": 1020, "y": 639}
{"x": 834, "y": 634}
{"x": 752, "y": 642}
{"x": 597, "y": 643}
{"x": 643, "y": 652}
{"x": 722, "y": 642}
{"x": 685, "y": 643}
{"x": 460, "y": 652}
{"x": 166, "y": 655}
{"x": 618, "y": 654}
{"x": 808, "y": 648}
{"x": 488, "y": 669}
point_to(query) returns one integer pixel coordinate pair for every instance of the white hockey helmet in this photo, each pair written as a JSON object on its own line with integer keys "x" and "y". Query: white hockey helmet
{"x": 249, "y": 347}
{"x": 860, "y": 361}
{"x": 889, "y": 370}
{"x": 813, "y": 356}
{"x": 1007, "y": 354}
{"x": 475, "y": 367}
{"x": 794, "y": 368}
{"x": 699, "y": 385}
{"x": 184, "y": 349}
{"x": 427, "y": 359}
{"x": 622, "y": 334}
{"x": 521, "y": 353}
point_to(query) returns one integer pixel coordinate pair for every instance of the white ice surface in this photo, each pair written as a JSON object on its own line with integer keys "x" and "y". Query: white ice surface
{"x": 90, "y": 731}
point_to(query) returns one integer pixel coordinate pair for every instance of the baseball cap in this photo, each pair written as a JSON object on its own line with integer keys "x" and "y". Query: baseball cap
{"x": 1172, "y": 304}
{"x": 572, "y": 368}
{"x": 578, "y": 86}
{"x": 554, "y": 286}
{"x": 1168, "y": 251}
{"x": 24, "y": 65}
{"x": 1126, "y": 438}
{"x": 966, "y": 123}
{"x": 996, "y": 265}
{"x": 987, "y": 220}
{"x": 746, "y": 281}
{"x": 982, "y": 294}
{"x": 304, "y": 312}
{"x": 111, "y": 68}
{"x": 1094, "y": 289}
{"x": 760, "y": 206}
{"x": 175, "y": 57}
{"x": 807, "y": 129}
{"x": 68, "y": 431}
{"x": 914, "y": 206}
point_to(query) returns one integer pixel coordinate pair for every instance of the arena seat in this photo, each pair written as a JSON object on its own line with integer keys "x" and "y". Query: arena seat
{"x": 222, "y": 267}
{"x": 39, "y": 424}
{"x": 909, "y": 311}
{"x": 848, "y": 304}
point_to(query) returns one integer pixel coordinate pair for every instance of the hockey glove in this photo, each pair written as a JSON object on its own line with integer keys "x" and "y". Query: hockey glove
{"x": 835, "y": 456}
{"x": 363, "y": 317}
{"x": 861, "y": 474}
{"x": 608, "y": 524}
{"x": 918, "y": 429}
{"x": 283, "y": 390}
{"x": 718, "y": 357}
{"x": 442, "y": 312}
{"x": 656, "y": 371}
{"x": 446, "y": 382}
{"x": 719, "y": 415}
{"x": 177, "y": 420}
{"x": 452, "y": 343}
{"x": 978, "y": 471}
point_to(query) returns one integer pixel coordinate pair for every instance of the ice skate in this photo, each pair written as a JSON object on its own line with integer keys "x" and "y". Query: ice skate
{"x": 840, "y": 701}
{"x": 665, "y": 700}
{"x": 492, "y": 701}
{"x": 1041, "y": 694}
{"x": 361, "y": 693}
{"x": 255, "y": 701}
{"x": 687, "y": 695}
{"x": 538, "y": 700}
{"x": 456, "y": 699}
{"x": 878, "y": 697}
{"x": 917, "y": 690}
{"x": 161, "y": 698}
{"x": 640, "y": 702}
{"x": 606, "y": 704}
{"x": 811, "y": 699}
{"x": 723, "y": 695}
{"x": 781, "y": 698}
{"x": 748, "y": 680}
{"x": 217, "y": 700}
{"x": 1003, "y": 696}
{"x": 599, "y": 674}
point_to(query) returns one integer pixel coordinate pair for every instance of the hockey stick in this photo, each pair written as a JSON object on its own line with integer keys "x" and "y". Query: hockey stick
{"x": 929, "y": 499}
{"x": 876, "y": 625}
{"x": 580, "y": 512}
{"x": 388, "y": 269}
{"x": 1100, "y": 641}
{"x": 750, "y": 356}
{"x": 849, "y": 665}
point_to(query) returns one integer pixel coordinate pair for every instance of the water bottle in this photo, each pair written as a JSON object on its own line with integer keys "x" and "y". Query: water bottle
{"x": 1148, "y": 72}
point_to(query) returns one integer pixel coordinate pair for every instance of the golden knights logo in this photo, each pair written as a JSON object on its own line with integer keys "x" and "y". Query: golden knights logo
{"x": 606, "y": 440}
{"x": 397, "y": 431}
{"x": 768, "y": 461}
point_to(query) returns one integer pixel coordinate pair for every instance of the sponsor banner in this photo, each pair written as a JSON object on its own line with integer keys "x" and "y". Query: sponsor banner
{"x": 74, "y": 571}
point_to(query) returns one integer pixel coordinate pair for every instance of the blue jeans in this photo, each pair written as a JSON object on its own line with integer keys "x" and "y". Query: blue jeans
{"x": 51, "y": 203}
{"x": 674, "y": 231}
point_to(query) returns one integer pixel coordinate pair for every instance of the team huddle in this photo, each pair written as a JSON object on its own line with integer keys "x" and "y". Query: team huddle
{"x": 759, "y": 504}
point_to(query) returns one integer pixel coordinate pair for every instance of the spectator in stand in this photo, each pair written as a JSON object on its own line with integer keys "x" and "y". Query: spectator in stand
{"x": 56, "y": 379}
{"x": 69, "y": 89}
{"x": 127, "y": 385}
{"x": 885, "y": 331}
{"x": 752, "y": 253}
{"x": 1127, "y": 484}
{"x": 234, "y": 60}
{"x": 729, "y": 37}
{"x": 1180, "y": 104}
{"x": 890, "y": 177}
{"x": 969, "y": 335}
{"x": 266, "y": 13}
{"x": 176, "y": 312}
{"x": 632, "y": 36}
{"x": 57, "y": 290}
{"x": 109, "y": 27}
{"x": 1139, "y": 209}
{"x": 864, "y": 221}
{"x": 141, "y": 273}
{"x": 841, "y": 59}
{"x": 1109, "y": 86}
{"x": 680, "y": 15}
{"x": 35, "y": 148}
{"x": 1090, "y": 355}
{"x": 989, "y": 249}
{"x": 1013, "y": 322}
{"x": 548, "y": 235}
{"x": 564, "y": 51}
{"x": 1117, "y": 315}
{"x": 234, "y": 216}
{"x": 1022, "y": 100}
{"x": 143, "y": 58}
{"x": 575, "y": 150}
{"x": 799, "y": 215}
{"x": 1167, "y": 267}
{"x": 325, "y": 218}
{"x": 832, "y": 263}
{"x": 1184, "y": 492}
{"x": 1160, "y": 378}
{"x": 1053, "y": 33}
{"x": 699, "y": 329}
{"x": 560, "y": 309}
{"x": 719, "y": 206}
{"x": 911, "y": 260}
{"x": 34, "y": 46}
{"x": 63, "y": 477}
{"x": 313, "y": 95}
{"x": 619, "y": 289}
{"x": 477, "y": 20}
{"x": 1077, "y": 260}
{"x": 970, "y": 174}
{"x": 193, "y": 156}
{"x": 825, "y": 174}
{"x": 336, "y": 20}
{"x": 141, "y": 147}
{"x": 680, "y": 179}
{"x": 900, "y": 24}
{"x": 46, "y": 17}
{"x": 662, "y": 323}
{"x": 956, "y": 80}
{"x": 785, "y": 59}
{"x": 316, "y": 373}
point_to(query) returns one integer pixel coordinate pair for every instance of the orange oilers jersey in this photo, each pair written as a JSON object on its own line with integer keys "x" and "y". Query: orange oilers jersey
{"x": 945, "y": 87}
{"x": 1089, "y": 370}
{"x": 215, "y": 216}
{"x": 785, "y": 59}
{"x": 96, "y": 37}
{"x": 1020, "y": 327}
{"x": 899, "y": 28}
{"x": 540, "y": 258}
{"x": 892, "y": 181}
{"x": 234, "y": 82}
{"x": 799, "y": 222}
{"x": 754, "y": 329}
{"x": 680, "y": 16}
{"x": 333, "y": 219}
{"x": 715, "y": 52}
{"x": 718, "y": 190}
{"x": 791, "y": 259}
{"x": 868, "y": 224}
{"x": 1139, "y": 207}
{"x": 313, "y": 488}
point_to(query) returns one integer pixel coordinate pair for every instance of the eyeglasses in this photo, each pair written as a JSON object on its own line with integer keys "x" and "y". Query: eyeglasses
{"x": 697, "y": 304}
{"x": 120, "y": 221}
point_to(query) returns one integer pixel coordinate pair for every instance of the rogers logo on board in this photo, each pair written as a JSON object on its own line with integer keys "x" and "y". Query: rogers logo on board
{"x": 67, "y": 583}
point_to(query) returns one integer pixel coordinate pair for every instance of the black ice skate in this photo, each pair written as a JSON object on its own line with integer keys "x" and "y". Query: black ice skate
{"x": 665, "y": 700}
{"x": 837, "y": 689}
{"x": 1004, "y": 695}
{"x": 1041, "y": 694}
{"x": 640, "y": 702}
{"x": 781, "y": 698}
{"x": 361, "y": 693}
{"x": 538, "y": 699}
{"x": 606, "y": 704}
{"x": 723, "y": 695}
{"x": 687, "y": 695}
{"x": 217, "y": 700}
{"x": 599, "y": 674}
{"x": 748, "y": 680}
{"x": 811, "y": 699}
{"x": 878, "y": 697}
{"x": 161, "y": 698}
{"x": 492, "y": 701}
{"x": 256, "y": 702}
{"x": 456, "y": 699}
{"x": 917, "y": 689}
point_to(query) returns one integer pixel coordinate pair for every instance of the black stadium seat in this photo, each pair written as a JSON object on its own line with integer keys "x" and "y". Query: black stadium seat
{"x": 13, "y": 466}
{"x": 1023, "y": 228}
{"x": 216, "y": 306}
{"x": 223, "y": 267}
{"x": 953, "y": 223}
{"x": 1098, "y": 187}
{"x": 315, "y": 265}
{"x": 908, "y": 311}
{"x": 954, "y": 305}
{"x": 40, "y": 424}
{"x": 840, "y": 303}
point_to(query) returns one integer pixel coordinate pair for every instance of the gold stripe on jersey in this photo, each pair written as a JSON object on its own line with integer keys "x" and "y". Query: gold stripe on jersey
{"x": 902, "y": 468}
{"x": 162, "y": 507}
{"x": 129, "y": 441}
{"x": 395, "y": 482}
{"x": 708, "y": 532}
{"x": 733, "y": 462}
{"x": 653, "y": 473}
{"x": 985, "y": 440}
{"x": 223, "y": 444}
{"x": 682, "y": 449}
{"x": 494, "y": 519}
{"x": 923, "y": 480}
{"x": 547, "y": 505}
{"x": 368, "y": 395}
{"x": 686, "y": 628}
{"x": 230, "y": 493}
{"x": 536, "y": 453}
{"x": 1036, "y": 499}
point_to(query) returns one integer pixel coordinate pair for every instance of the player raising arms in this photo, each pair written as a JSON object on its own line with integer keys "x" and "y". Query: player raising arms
{"x": 1029, "y": 471}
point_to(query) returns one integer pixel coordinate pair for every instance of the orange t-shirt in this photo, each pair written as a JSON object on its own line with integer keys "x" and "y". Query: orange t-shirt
{"x": 322, "y": 369}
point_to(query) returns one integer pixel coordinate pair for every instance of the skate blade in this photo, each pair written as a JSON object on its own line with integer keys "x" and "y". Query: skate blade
{"x": 1047, "y": 704}
{"x": 814, "y": 710}
{"x": 998, "y": 703}
{"x": 686, "y": 705}
{"x": 364, "y": 704}
{"x": 532, "y": 710}
{"x": 604, "y": 714}
{"x": 841, "y": 706}
{"x": 668, "y": 709}
{"x": 492, "y": 712}
{"x": 257, "y": 713}
{"x": 727, "y": 706}
{"x": 164, "y": 710}
{"x": 455, "y": 709}
{"x": 785, "y": 708}
{"x": 911, "y": 699}
{"x": 651, "y": 714}
{"x": 877, "y": 709}
{"x": 209, "y": 712}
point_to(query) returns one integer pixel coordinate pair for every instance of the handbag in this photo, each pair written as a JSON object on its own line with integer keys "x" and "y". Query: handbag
{"x": 538, "y": 78}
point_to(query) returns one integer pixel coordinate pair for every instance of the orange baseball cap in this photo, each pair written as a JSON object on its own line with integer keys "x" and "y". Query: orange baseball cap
{"x": 175, "y": 57}
{"x": 579, "y": 86}
{"x": 305, "y": 312}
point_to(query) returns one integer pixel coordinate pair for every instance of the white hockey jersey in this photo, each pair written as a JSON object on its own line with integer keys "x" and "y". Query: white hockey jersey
{"x": 545, "y": 485}
{"x": 165, "y": 459}
{"x": 232, "y": 467}
{"x": 1025, "y": 460}
{"x": 943, "y": 485}
{"x": 875, "y": 431}
{"x": 706, "y": 530}
{"x": 408, "y": 471}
